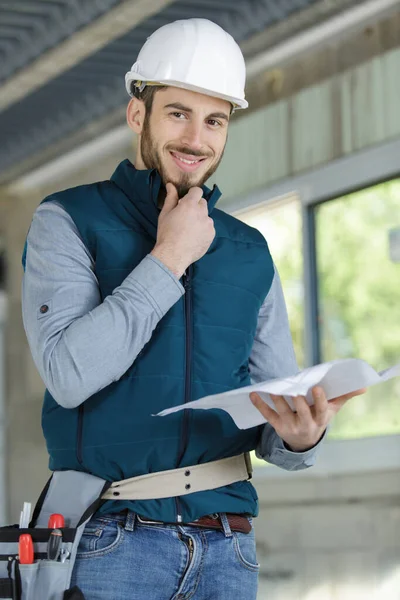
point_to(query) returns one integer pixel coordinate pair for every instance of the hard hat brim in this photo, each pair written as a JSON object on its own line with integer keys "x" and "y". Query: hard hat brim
{"x": 238, "y": 103}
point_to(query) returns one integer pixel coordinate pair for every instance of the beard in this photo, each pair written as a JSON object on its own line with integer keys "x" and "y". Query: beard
{"x": 152, "y": 160}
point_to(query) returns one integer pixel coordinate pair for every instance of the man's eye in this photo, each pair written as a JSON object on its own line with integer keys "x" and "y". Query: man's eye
{"x": 214, "y": 123}
{"x": 178, "y": 114}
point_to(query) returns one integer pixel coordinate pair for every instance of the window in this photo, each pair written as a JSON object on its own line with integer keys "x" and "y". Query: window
{"x": 358, "y": 275}
{"x": 357, "y": 238}
{"x": 280, "y": 223}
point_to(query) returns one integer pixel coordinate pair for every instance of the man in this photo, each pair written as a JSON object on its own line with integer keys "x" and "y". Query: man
{"x": 138, "y": 295}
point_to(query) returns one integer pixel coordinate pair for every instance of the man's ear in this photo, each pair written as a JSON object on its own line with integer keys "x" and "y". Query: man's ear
{"x": 135, "y": 113}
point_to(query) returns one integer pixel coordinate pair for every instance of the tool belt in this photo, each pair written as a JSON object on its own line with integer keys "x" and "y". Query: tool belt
{"x": 77, "y": 496}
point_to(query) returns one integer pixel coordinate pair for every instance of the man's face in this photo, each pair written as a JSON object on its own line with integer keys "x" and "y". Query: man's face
{"x": 184, "y": 137}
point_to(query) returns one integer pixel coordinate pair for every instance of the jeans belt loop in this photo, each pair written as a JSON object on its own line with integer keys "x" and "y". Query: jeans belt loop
{"x": 130, "y": 521}
{"x": 225, "y": 525}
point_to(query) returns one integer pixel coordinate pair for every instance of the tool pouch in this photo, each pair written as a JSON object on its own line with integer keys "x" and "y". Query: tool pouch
{"x": 76, "y": 496}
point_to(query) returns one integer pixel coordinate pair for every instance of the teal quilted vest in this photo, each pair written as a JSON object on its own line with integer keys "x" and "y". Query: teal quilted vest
{"x": 200, "y": 347}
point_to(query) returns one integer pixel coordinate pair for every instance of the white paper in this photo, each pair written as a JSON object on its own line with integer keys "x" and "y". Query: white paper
{"x": 337, "y": 378}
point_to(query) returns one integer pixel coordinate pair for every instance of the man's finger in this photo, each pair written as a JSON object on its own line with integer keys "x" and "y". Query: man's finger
{"x": 195, "y": 194}
{"x": 282, "y": 407}
{"x": 266, "y": 411}
{"x": 320, "y": 406}
{"x": 356, "y": 393}
{"x": 340, "y": 401}
{"x": 303, "y": 410}
{"x": 172, "y": 199}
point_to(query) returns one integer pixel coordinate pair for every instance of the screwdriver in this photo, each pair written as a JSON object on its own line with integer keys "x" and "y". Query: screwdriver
{"x": 56, "y": 521}
{"x": 25, "y": 549}
{"x": 54, "y": 544}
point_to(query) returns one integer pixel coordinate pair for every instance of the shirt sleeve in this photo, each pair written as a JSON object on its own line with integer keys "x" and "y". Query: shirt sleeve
{"x": 80, "y": 344}
{"x": 273, "y": 356}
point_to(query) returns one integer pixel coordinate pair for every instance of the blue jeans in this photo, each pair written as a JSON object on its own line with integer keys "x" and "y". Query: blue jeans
{"x": 120, "y": 558}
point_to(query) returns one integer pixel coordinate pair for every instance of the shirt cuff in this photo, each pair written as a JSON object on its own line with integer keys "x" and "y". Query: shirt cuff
{"x": 158, "y": 283}
{"x": 272, "y": 449}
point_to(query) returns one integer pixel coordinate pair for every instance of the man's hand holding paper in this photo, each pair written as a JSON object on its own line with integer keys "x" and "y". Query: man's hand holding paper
{"x": 302, "y": 428}
{"x": 292, "y": 405}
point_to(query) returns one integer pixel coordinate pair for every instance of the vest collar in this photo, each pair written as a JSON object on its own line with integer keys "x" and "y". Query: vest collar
{"x": 142, "y": 187}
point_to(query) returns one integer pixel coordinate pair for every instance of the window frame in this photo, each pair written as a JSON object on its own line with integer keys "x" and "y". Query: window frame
{"x": 333, "y": 180}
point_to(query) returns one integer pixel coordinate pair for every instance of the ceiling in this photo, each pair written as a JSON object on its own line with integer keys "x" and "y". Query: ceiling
{"x": 62, "y": 62}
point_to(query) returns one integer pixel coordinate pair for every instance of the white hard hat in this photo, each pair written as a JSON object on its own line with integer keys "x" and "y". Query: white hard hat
{"x": 195, "y": 54}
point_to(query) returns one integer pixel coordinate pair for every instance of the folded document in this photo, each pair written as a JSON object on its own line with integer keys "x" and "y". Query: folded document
{"x": 337, "y": 378}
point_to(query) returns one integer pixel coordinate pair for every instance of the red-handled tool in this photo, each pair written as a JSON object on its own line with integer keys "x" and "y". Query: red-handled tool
{"x": 25, "y": 549}
{"x": 54, "y": 544}
{"x": 56, "y": 521}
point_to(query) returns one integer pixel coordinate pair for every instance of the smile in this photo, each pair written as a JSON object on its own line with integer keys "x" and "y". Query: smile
{"x": 186, "y": 164}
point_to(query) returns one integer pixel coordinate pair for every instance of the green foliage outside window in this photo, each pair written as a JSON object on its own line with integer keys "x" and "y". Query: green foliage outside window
{"x": 359, "y": 291}
{"x": 359, "y": 300}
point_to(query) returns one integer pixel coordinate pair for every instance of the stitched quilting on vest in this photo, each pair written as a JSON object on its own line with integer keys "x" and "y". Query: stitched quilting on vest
{"x": 200, "y": 347}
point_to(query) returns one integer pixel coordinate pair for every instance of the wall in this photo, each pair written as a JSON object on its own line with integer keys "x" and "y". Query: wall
{"x": 346, "y": 113}
{"x": 329, "y": 536}
{"x": 26, "y": 456}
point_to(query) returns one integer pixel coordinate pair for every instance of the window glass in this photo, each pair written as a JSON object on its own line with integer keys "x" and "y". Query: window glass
{"x": 280, "y": 224}
{"x": 358, "y": 273}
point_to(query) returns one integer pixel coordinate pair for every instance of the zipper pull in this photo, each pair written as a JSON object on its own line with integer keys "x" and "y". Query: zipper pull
{"x": 187, "y": 280}
{"x": 190, "y": 544}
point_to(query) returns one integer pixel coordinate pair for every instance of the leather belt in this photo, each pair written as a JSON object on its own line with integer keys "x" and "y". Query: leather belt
{"x": 236, "y": 522}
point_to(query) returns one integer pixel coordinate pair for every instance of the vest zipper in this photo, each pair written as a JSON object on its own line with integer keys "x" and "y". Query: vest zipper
{"x": 187, "y": 280}
{"x": 79, "y": 435}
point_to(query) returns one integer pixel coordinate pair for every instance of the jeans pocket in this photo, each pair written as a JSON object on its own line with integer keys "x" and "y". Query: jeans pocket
{"x": 100, "y": 537}
{"x": 245, "y": 550}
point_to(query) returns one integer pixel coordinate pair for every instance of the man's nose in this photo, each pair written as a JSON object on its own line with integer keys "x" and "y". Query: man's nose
{"x": 192, "y": 136}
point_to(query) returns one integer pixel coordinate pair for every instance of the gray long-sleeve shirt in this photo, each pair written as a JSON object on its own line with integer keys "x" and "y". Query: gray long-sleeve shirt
{"x": 81, "y": 344}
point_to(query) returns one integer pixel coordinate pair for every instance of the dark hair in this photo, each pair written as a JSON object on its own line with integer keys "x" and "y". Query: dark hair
{"x": 147, "y": 95}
